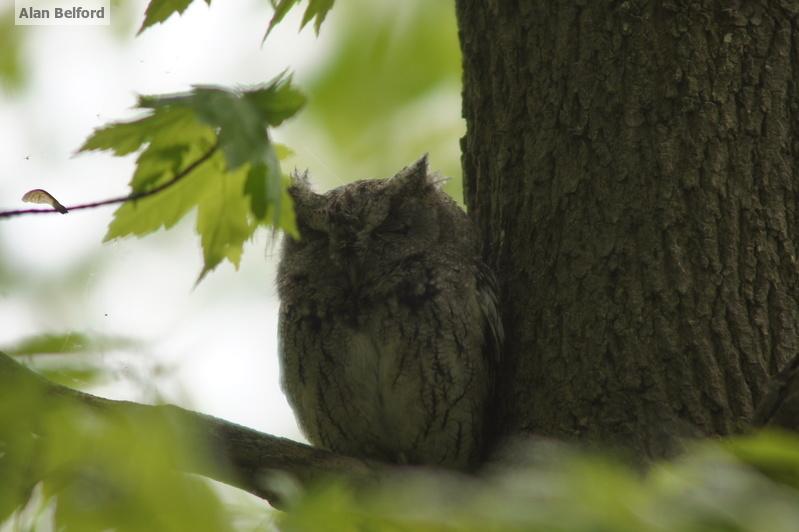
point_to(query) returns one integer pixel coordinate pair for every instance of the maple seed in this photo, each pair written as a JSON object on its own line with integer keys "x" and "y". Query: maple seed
{"x": 38, "y": 195}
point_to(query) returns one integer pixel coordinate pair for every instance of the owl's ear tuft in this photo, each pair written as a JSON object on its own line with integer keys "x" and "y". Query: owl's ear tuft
{"x": 300, "y": 183}
{"x": 414, "y": 178}
{"x": 308, "y": 205}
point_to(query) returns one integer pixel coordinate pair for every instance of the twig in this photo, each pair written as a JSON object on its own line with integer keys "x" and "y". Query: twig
{"x": 780, "y": 405}
{"x": 121, "y": 199}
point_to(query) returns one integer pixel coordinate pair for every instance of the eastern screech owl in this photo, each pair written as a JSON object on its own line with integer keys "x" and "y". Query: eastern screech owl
{"x": 389, "y": 328}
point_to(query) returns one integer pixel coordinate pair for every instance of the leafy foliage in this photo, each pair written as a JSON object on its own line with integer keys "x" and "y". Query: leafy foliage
{"x": 64, "y": 343}
{"x": 160, "y": 10}
{"x": 68, "y": 358}
{"x": 211, "y": 148}
{"x": 317, "y": 10}
{"x": 90, "y": 470}
{"x": 774, "y": 454}
{"x": 388, "y": 92}
{"x": 65, "y": 466}
{"x": 562, "y": 489}
{"x": 385, "y": 61}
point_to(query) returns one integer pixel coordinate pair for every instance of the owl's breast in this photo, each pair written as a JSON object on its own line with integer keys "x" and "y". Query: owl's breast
{"x": 391, "y": 368}
{"x": 380, "y": 362}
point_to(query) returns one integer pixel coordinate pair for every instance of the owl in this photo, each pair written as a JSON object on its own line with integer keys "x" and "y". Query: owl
{"x": 389, "y": 328}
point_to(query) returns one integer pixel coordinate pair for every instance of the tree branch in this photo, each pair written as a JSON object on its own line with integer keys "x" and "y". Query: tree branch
{"x": 780, "y": 406}
{"x": 242, "y": 457}
{"x": 120, "y": 199}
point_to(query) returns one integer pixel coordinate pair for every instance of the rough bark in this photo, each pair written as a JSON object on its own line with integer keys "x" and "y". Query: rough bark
{"x": 632, "y": 165}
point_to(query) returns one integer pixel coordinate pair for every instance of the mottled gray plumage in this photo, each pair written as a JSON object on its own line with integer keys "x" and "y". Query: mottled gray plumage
{"x": 389, "y": 327}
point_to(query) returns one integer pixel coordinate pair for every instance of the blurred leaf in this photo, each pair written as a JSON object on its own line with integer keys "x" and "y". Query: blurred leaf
{"x": 277, "y": 101}
{"x": 126, "y": 15}
{"x": 287, "y": 217}
{"x": 72, "y": 375}
{"x": 12, "y": 72}
{"x": 564, "y": 489}
{"x": 53, "y": 356}
{"x": 317, "y": 9}
{"x": 774, "y": 453}
{"x": 100, "y": 469}
{"x": 17, "y": 464}
{"x": 105, "y": 471}
{"x": 389, "y": 92}
{"x": 282, "y": 151}
{"x": 388, "y": 57}
{"x": 65, "y": 343}
{"x": 234, "y": 191}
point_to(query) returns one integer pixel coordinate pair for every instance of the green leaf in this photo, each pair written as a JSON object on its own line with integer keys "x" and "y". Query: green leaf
{"x": 223, "y": 221}
{"x": 281, "y": 8}
{"x": 390, "y": 86}
{"x": 12, "y": 71}
{"x": 241, "y": 117}
{"x": 257, "y": 188}
{"x": 772, "y": 452}
{"x": 317, "y": 9}
{"x": 282, "y": 151}
{"x": 64, "y": 343}
{"x": 160, "y": 10}
{"x": 277, "y": 101}
{"x": 165, "y": 209}
{"x": 126, "y": 137}
{"x": 268, "y": 191}
{"x": 207, "y": 149}
{"x": 72, "y": 376}
{"x": 99, "y": 470}
{"x": 240, "y": 131}
{"x": 70, "y": 358}
{"x": 17, "y": 423}
{"x": 286, "y": 216}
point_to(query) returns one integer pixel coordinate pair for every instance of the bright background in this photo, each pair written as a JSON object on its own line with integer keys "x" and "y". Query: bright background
{"x": 383, "y": 85}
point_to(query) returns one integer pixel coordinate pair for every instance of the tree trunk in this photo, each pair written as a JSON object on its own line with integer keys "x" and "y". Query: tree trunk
{"x": 631, "y": 166}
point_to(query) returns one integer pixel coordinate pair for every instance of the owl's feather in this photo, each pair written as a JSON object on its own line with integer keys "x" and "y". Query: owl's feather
{"x": 389, "y": 323}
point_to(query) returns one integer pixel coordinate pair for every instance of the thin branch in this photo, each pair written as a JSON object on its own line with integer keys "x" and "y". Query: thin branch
{"x": 121, "y": 199}
{"x": 780, "y": 406}
{"x": 242, "y": 457}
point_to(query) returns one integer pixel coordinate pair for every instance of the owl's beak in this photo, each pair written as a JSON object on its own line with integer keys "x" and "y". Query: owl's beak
{"x": 348, "y": 255}
{"x": 353, "y": 275}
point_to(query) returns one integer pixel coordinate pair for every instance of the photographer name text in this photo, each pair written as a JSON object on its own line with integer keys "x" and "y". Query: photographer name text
{"x": 62, "y": 13}
{"x": 74, "y": 12}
